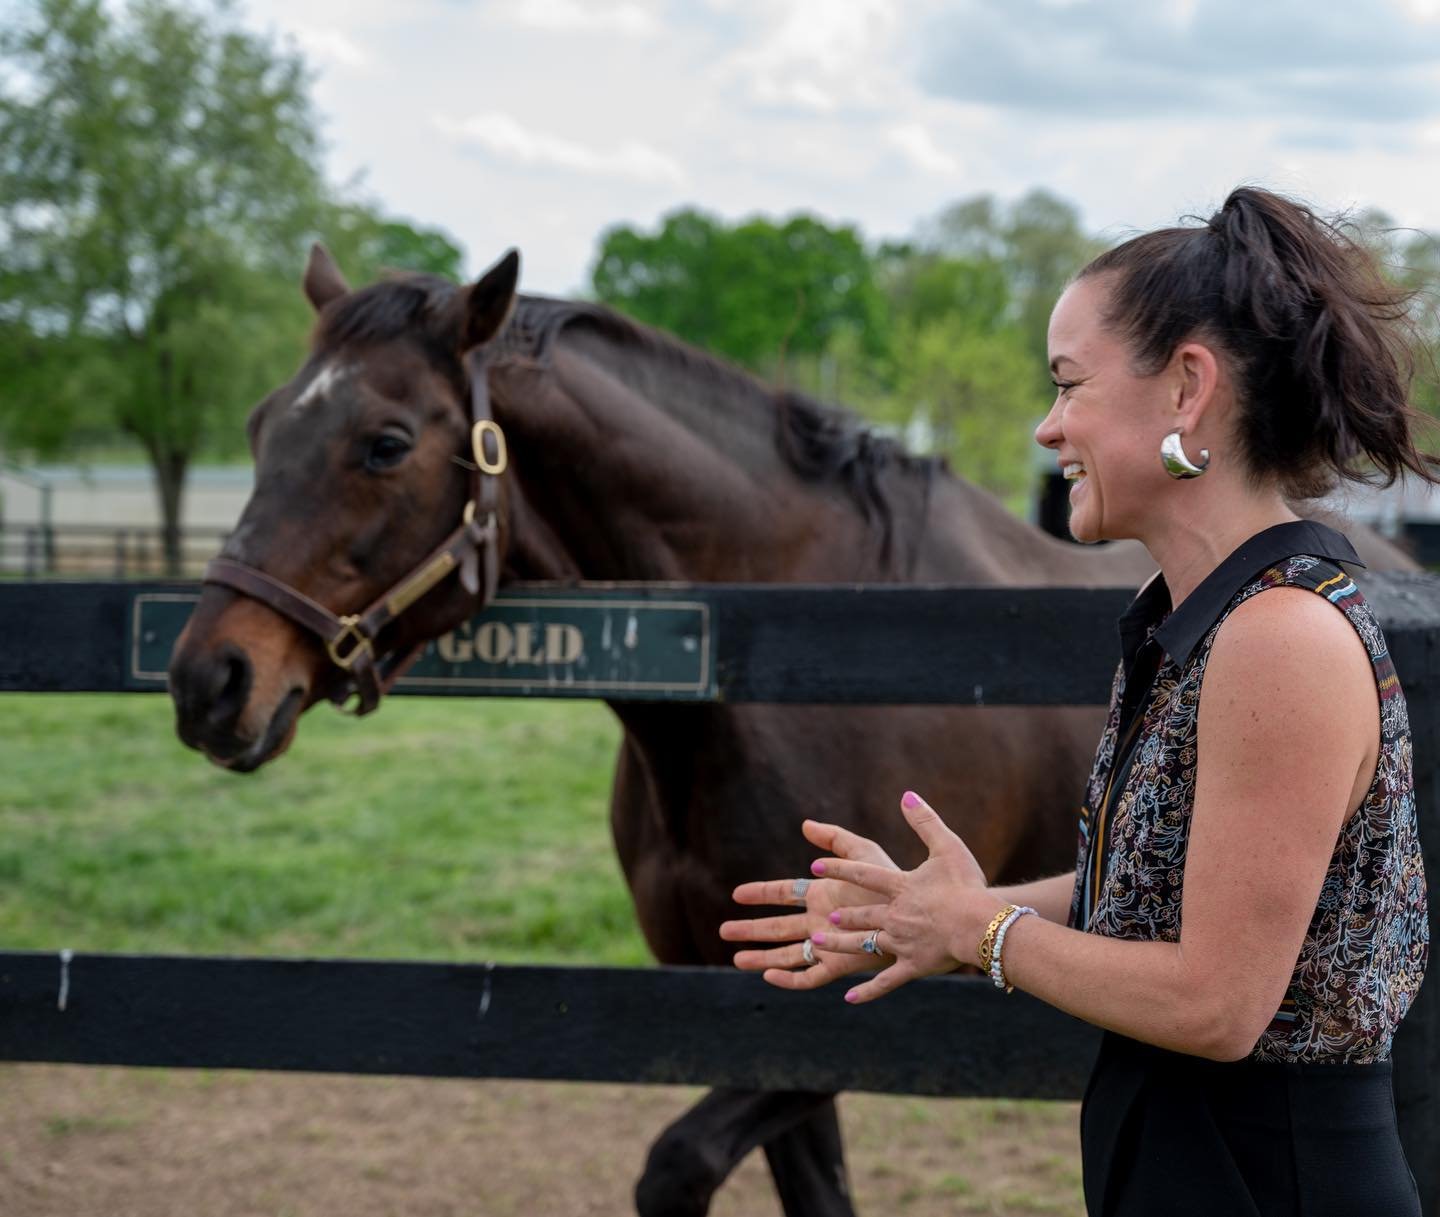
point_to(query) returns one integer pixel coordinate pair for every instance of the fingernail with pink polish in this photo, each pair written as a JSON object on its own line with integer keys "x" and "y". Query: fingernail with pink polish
{"x": 818, "y": 939}
{"x": 818, "y": 866}
{"x": 850, "y": 996}
{"x": 910, "y": 799}
{"x": 835, "y": 917}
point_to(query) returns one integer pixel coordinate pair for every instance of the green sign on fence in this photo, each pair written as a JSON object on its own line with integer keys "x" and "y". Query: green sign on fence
{"x": 528, "y": 642}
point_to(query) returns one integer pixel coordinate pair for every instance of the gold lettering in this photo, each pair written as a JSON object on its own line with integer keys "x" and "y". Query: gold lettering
{"x": 563, "y": 644}
{"x": 494, "y": 642}
{"x": 525, "y": 644}
{"x": 456, "y": 646}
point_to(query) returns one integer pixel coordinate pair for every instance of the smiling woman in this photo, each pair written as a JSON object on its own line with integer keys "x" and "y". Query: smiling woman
{"x": 1247, "y": 919}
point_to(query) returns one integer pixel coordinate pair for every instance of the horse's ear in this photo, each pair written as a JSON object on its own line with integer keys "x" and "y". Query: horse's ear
{"x": 488, "y": 302}
{"x": 323, "y": 280}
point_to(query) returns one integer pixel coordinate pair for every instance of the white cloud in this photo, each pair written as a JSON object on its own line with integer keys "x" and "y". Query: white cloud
{"x": 815, "y": 55}
{"x": 573, "y": 16}
{"x": 920, "y": 148}
{"x": 505, "y": 138}
{"x": 332, "y": 46}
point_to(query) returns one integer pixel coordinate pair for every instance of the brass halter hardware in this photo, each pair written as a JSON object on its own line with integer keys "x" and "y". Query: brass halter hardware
{"x": 349, "y": 644}
{"x": 478, "y": 432}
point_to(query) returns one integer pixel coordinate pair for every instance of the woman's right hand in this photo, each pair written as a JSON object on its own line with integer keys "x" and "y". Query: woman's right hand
{"x": 784, "y": 966}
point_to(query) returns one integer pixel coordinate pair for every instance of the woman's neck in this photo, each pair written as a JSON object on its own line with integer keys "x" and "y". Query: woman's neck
{"x": 1187, "y": 545}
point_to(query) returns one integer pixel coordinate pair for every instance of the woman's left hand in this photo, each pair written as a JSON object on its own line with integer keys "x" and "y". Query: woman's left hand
{"x": 932, "y": 918}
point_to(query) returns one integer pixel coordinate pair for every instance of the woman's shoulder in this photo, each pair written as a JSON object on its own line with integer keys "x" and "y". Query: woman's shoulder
{"x": 1283, "y": 635}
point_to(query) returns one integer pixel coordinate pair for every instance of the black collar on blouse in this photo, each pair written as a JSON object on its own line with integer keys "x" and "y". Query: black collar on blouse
{"x": 1181, "y": 632}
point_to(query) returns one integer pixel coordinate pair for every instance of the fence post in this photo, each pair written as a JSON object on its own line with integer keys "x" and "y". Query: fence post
{"x": 1417, "y": 1044}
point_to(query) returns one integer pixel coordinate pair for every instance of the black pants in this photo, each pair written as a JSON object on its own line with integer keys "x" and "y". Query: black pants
{"x": 1168, "y": 1135}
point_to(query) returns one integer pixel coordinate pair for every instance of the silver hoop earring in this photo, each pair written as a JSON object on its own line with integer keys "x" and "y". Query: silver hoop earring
{"x": 1177, "y": 464}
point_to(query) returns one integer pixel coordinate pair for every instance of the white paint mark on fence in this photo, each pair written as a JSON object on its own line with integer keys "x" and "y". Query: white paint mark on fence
{"x": 632, "y": 632}
{"x": 66, "y": 955}
{"x": 979, "y": 695}
{"x": 485, "y": 992}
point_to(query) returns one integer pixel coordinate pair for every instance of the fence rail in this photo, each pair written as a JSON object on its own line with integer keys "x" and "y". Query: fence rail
{"x": 705, "y": 1026}
{"x": 775, "y": 644}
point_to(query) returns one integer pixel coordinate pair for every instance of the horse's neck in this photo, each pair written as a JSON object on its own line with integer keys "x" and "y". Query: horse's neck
{"x": 615, "y": 484}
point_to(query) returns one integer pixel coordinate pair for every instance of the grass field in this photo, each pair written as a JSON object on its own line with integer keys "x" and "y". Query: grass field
{"x": 440, "y": 828}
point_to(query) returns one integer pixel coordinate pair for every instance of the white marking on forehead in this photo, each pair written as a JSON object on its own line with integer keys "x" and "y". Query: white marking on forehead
{"x": 325, "y": 380}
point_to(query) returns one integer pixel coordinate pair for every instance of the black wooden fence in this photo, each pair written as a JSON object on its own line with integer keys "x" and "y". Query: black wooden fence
{"x": 946, "y": 1036}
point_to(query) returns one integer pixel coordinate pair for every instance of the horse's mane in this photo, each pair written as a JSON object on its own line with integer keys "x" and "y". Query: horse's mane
{"x": 820, "y": 443}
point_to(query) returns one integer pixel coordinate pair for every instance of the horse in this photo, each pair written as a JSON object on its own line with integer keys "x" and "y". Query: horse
{"x": 554, "y": 440}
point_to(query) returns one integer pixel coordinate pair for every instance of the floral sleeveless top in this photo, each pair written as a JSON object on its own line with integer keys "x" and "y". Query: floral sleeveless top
{"x": 1365, "y": 951}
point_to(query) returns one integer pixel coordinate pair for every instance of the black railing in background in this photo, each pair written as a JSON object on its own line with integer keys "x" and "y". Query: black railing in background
{"x": 87, "y": 551}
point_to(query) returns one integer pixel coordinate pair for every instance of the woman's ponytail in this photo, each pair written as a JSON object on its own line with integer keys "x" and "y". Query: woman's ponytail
{"x": 1320, "y": 344}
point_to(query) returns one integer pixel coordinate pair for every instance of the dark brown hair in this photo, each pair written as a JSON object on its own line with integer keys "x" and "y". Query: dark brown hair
{"x": 1318, "y": 341}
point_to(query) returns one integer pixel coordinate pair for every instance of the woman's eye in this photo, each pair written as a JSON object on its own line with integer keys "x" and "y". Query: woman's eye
{"x": 386, "y": 451}
{"x": 1063, "y": 385}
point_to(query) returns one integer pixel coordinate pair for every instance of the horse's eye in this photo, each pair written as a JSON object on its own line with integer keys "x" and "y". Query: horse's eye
{"x": 386, "y": 451}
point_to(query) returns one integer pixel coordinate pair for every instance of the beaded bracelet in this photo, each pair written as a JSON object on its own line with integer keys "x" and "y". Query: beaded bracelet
{"x": 997, "y": 968}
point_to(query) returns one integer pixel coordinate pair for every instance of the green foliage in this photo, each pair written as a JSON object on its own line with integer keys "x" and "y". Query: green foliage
{"x": 1038, "y": 245}
{"x": 1411, "y": 258}
{"x": 759, "y": 292}
{"x": 159, "y": 187}
{"x": 368, "y": 244}
{"x": 158, "y": 170}
{"x": 973, "y": 392}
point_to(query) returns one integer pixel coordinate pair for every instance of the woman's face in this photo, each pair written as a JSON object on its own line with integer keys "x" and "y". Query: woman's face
{"x": 1107, "y": 422}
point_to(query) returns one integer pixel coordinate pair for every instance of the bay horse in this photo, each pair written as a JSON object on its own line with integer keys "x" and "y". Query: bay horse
{"x": 630, "y": 457}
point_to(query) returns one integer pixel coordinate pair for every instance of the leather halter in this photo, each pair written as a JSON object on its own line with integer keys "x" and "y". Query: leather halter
{"x": 350, "y": 640}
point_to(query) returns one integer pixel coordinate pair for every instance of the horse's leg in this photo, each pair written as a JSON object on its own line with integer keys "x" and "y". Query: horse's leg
{"x": 696, "y": 1154}
{"x": 807, "y": 1163}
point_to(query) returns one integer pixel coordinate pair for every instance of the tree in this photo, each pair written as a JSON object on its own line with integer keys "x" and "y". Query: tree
{"x": 1410, "y": 257}
{"x": 368, "y": 244}
{"x": 159, "y": 186}
{"x": 759, "y": 292}
{"x": 1038, "y": 244}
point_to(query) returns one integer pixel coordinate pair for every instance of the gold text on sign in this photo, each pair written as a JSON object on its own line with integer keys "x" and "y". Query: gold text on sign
{"x": 523, "y": 643}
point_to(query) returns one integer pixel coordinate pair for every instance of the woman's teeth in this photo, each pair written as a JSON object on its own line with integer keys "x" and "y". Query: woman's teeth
{"x": 1073, "y": 472}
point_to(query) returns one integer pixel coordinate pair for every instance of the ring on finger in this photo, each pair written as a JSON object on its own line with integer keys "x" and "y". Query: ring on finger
{"x": 871, "y": 945}
{"x": 807, "y": 952}
{"x": 798, "y": 888}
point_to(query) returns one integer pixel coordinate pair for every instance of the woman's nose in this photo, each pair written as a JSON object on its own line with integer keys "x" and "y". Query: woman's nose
{"x": 1048, "y": 433}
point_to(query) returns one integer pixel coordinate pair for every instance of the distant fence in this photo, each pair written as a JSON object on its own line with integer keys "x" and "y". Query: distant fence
{"x": 947, "y": 1036}
{"x": 33, "y": 550}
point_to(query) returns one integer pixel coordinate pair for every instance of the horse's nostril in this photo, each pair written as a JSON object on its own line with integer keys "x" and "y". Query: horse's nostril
{"x": 230, "y": 688}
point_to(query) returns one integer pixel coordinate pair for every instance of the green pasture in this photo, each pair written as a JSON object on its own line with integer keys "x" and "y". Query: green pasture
{"x": 436, "y": 828}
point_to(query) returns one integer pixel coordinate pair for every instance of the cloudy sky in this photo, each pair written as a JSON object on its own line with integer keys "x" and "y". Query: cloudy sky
{"x": 537, "y": 123}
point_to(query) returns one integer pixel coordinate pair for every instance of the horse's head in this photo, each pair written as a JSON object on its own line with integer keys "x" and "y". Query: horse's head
{"x": 363, "y": 536}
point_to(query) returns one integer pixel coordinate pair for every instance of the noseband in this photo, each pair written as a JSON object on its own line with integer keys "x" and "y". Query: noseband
{"x": 472, "y": 549}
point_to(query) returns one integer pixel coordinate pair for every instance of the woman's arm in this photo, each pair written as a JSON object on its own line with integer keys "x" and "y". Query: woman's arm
{"x": 1288, "y": 733}
{"x": 1049, "y": 897}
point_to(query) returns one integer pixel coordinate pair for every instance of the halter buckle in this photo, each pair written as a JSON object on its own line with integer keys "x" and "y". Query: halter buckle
{"x": 354, "y": 642}
{"x": 477, "y": 443}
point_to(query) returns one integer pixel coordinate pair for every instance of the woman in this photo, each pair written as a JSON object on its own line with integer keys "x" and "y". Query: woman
{"x": 1247, "y": 920}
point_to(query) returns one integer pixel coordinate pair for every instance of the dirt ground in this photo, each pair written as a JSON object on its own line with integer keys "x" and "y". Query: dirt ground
{"x": 82, "y": 1142}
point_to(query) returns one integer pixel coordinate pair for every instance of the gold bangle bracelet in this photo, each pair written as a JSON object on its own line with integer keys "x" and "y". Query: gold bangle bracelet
{"x": 987, "y": 944}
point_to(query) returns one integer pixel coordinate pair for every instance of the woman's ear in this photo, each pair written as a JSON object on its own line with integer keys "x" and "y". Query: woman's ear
{"x": 1197, "y": 376}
